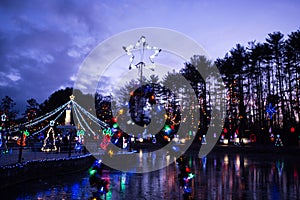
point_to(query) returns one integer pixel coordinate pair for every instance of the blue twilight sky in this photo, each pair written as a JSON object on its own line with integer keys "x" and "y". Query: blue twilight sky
{"x": 44, "y": 42}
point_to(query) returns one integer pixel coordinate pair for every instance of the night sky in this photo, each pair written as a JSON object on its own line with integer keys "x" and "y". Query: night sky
{"x": 43, "y": 43}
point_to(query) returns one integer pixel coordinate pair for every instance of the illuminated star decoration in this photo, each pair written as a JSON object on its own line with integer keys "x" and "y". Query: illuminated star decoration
{"x": 141, "y": 45}
{"x": 72, "y": 97}
{"x": 271, "y": 110}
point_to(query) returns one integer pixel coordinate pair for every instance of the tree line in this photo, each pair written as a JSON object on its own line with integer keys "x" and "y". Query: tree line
{"x": 257, "y": 77}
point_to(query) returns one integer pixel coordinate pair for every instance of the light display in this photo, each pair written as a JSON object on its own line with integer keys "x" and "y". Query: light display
{"x": 0, "y": 139}
{"x": 25, "y": 135}
{"x": 141, "y": 45}
{"x": 271, "y": 110}
{"x": 292, "y": 130}
{"x": 49, "y": 142}
{"x": 278, "y": 142}
{"x": 3, "y": 117}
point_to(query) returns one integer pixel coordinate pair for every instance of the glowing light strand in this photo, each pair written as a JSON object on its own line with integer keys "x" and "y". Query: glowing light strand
{"x": 76, "y": 115}
{"x": 48, "y": 124}
{"x": 46, "y": 116}
{"x": 86, "y": 124}
{"x": 92, "y": 117}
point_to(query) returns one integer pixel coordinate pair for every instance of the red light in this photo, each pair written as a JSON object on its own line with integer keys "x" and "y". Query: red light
{"x": 292, "y": 130}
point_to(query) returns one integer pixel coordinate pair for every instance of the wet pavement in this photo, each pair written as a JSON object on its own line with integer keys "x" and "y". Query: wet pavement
{"x": 217, "y": 176}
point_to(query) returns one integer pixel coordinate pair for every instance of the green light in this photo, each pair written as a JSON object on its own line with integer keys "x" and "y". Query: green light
{"x": 115, "y": 125}
{"x": 191, "y": 175}
{"x": 107, "y": 132}
{"x": 167, "y": 128}
{"x": 26, "y": 133}
{"x": 93, "y": 172}
{"x": 81, "y": 132}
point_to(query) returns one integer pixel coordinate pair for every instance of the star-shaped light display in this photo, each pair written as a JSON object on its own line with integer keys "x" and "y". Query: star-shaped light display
{"x": 271, "y": 110}
{"x": 141, "y": 45}
{"x": 72, "y": 97}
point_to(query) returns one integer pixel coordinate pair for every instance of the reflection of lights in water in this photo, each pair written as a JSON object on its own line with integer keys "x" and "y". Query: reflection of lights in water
{"x": 168, "y": 159}
{"x": 215, "y": 162}
{"x": 279, "y": 166}
{"x": 153, "y": 158}
{"x": 237, "y": 163}
{"x": 141, "y": 158}
{"x": 141, "y": 154}
{"x": 123, "y": 182}
{"x": 204, "y": 162}
{"x": 214, "y": 182}
{"x": 245, "y": 162}
{"x": 226, "y": 159}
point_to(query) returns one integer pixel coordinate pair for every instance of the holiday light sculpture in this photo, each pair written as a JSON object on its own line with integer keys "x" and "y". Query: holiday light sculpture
{"x": 49, "y": 142}
{"x": 278, "y": 142}
{"x": 25, "y": 135}
{"x": 271, "y": 110}
{"x": 140, "y": 45}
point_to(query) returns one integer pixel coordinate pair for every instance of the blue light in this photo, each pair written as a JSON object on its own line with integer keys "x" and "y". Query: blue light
{"x": 271, "y": 110}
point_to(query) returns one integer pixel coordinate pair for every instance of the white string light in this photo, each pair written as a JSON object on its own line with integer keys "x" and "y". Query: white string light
{"x": 76, "y": 111}
{"x": 48, "y": 124}
{"x": 84, "y": 121}
{"x": 102, "y": 124}
{"x": 76, "y": 115}
{"x": 43, "y": 117}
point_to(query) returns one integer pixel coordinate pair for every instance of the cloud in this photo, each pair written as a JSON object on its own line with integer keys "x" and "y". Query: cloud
{"x": 43, "y": 45}
{"x": 13, "y": 77}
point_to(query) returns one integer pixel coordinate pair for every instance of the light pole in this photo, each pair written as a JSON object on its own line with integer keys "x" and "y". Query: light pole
{"x": 141, "y": 45}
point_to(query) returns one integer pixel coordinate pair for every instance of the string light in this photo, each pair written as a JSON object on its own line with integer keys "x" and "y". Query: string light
{"x": 76, "y": 115}
{"x": 43, "y": 117}
{"x": 48, "y": 124}
{"x": 92, "y": 117}
{"x": 86, "y": 124}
